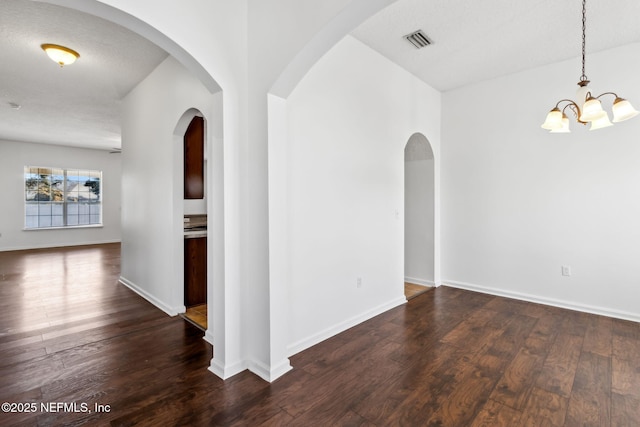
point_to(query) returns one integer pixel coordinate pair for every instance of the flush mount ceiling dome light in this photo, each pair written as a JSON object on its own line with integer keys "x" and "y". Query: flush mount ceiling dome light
{"x": 60, "y": 55}
{"x": 587, "y": 108}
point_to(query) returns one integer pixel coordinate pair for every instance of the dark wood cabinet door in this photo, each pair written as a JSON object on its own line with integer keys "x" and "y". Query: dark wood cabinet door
{"x": 194, "y": 159}
{"x": 195, "y": 271}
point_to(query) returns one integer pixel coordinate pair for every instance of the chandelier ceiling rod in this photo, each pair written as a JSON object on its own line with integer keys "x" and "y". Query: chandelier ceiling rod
{"x": 583, "y": 77}
{"x": 587, "y": 108}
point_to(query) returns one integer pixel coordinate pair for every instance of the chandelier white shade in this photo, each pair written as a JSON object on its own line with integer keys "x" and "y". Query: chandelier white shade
{"x": 554, "y": 120}
{"x": 622, "y": 110}
{"x": 564, "y": 126}
{"x": 587, "y": 108}
{"x": 60, "y": 54}
{"x": 601, "y": 122}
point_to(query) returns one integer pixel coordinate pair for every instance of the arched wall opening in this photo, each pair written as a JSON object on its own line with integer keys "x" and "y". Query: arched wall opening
{"x": 336, "y": 191}
{"x": 163, "y": 291}
{"x": 187, "y": 207}
{"x": 212, "y": 206}
{"x": 419, "y": 212}
{"x": 280, "y": 251}
{"x": 275, "y": 336}
{"x": 139, "y": 26}
{"x": 281, "y": 247}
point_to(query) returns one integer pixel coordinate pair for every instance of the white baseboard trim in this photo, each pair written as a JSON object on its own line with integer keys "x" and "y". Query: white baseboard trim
{"x": 171, "y": 311}
{"x": 343, "y": 326}
{"x": 208, "y": 336}
{"x": 223, "y": 371}
{"x": 56, "y": 245}
{"x": 258, "y": 368}
{"x": 421, "y": 282}
{"x": 270, "y": 374}
{"x": 602, "y": 311}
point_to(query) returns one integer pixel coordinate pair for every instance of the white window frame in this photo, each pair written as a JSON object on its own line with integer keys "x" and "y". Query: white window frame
{"x": 60, "y": 198}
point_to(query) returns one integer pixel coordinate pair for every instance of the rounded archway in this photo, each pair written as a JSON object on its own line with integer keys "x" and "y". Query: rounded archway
{"x": 139, "y": 26}
{"x": 419, "y": 232}
{"x": 211, "y": 207}
{"x": 162, "y": 237}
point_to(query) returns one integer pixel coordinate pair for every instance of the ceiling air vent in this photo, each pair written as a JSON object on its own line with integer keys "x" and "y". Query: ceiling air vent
{"x": 418, "y": 39}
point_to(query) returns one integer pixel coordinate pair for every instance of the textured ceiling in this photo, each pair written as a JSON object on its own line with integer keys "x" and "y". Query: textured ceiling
{"x": 78, "y": 105}
{"x": 472, "y": 41}
{"x": 479, "y": 40}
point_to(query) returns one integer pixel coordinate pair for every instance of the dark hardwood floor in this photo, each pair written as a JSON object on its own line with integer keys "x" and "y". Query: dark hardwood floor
{"x": 69, "y": 333}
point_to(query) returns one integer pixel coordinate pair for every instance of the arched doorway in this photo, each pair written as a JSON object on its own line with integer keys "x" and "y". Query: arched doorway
{"x": 209, "y": 209}
{"x": 419, "y": 206}
{"x": 190, "y": 136}
{"x": 283, "y": 341}
{"x": 165, "y": 237}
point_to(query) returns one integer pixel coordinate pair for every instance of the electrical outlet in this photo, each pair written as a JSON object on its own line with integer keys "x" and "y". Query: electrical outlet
{"x": 566, "y": 270}
{"x": 359, "y": 282}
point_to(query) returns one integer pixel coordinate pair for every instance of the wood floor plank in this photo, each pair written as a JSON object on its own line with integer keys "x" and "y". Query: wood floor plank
{"x": 502, "y": 305}
{"x": 515, "y": 385}
{"x": 513, "y": 336}
{"x": 29, "y": 375}
{"x": 590, "y": 401}
{"x": 494, "y": 414}
{"x": 544, "y": 408}
{"x": 626, "y": 328}
{"x": 598, "y": 336}
{"x": 626, "y": 376}
{"x": 422, "y": 405}
{"x": 625, "y": 410}
{"x": 558, "y": 371}
{"x": 624, "y": 347}
{"x": 543, "y": 334}
{"x": 418, "y": 380}
{"x": 469, "y": 332}
{"x": 70, "y": 332}
{"x": 463, "y": 403}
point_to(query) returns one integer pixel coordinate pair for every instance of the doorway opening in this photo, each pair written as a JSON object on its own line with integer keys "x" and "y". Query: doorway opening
{"x": 419, "y": 211}
{"x": 193, "y": 174}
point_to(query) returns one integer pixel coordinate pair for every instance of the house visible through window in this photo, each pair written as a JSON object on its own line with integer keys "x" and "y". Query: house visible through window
{"x": 57, "y": 197}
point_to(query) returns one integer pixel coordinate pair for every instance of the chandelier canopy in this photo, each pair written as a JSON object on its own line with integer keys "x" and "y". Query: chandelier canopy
{"x": 587, "y": 108}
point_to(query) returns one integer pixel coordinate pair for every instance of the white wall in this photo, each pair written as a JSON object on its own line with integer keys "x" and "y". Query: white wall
{"x": 152, "y": 207}
{"x": 14, "y": 156}
{"x": 348, "y": 122}
{"x": 275, "y": 71}
{"x": 419, "y": 212}
{"x": 270, "y": 47}
{"x": 518, "y": 202}
{"x": 218, "y": 40}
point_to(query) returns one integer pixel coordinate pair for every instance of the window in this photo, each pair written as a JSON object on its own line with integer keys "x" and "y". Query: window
{"x": 57, "y": 197}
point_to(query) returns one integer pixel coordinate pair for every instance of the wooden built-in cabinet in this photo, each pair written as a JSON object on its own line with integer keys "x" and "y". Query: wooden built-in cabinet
{"x": 194, "y": 159}
{"x": 195, "y": 271}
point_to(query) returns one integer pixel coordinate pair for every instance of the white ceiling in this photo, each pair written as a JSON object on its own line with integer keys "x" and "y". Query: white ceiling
{"x": 78, "y": 105}
{"x": 479, "y": 40}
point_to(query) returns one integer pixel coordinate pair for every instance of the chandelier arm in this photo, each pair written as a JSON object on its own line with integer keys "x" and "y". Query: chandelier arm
{"x": 575, "y": 108}
{"x": 572, "y": 107}
{"x": 607, "y": 93}
{"x": 567, "y": 100}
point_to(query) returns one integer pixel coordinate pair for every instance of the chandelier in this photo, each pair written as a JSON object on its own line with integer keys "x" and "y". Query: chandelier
{"x": 587, "y": 108}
